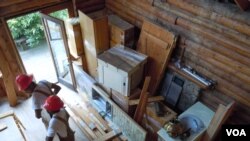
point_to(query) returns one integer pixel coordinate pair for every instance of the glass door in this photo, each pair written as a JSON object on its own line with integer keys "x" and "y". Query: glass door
{"x": 57, "y": 40}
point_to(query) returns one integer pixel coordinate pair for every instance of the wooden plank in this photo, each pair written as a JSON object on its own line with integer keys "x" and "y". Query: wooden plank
{"x": 110, "y": 135}
{"x": 6, "y": 114}
{"x": 2, "y": 127}
{"x": 157, "y": 43}
{"x": 104, "y": 126}
{"x": 89, "y": 134}
{"x": 12, "y": 133}
{"x": 221, "y": 115}
{"x": 80, "y": 113}
{"x": 150, "y": 99}
{"x": 141, "y": 107}
{"x": 95, "y": 115}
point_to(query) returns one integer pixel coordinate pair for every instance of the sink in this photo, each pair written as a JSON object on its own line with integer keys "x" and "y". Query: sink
{"x": 192, "y": 123}
{"x": 196, "y": 118}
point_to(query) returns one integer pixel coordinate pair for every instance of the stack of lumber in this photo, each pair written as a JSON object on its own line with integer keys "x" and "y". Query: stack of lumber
{"x": 94, "y": 127}
{"x": 214, "y": 37}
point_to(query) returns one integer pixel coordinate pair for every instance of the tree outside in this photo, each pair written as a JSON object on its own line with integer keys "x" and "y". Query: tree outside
{"x": 30, "y": 27}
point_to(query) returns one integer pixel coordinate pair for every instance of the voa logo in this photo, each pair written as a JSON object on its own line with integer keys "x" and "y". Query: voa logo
{"x": 236, "y": 132}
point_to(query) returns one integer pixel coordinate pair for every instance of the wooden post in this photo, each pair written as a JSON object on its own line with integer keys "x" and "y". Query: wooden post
{"x": 7, "y": 78}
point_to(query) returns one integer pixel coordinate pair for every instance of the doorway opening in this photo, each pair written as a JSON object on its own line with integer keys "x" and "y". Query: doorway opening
{"x": 28, "y": 34}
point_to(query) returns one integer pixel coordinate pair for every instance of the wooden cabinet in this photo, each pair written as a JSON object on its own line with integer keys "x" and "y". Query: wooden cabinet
{"x": 121, "y": 32}
{"x": 121, "y": 69}
{"x": 95, "y": 36}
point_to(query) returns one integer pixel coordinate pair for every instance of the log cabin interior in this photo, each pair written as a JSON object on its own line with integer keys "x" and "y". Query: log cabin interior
{"x": 151, "y": 70}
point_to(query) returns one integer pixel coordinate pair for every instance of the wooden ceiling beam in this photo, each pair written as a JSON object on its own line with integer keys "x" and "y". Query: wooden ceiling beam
{"x": 25, "y": 7}
{"x": 5, "y": 3}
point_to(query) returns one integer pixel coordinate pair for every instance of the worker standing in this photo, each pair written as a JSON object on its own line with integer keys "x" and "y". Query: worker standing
{"x": 39, "y": 91}
{"x": 59, "y": 120}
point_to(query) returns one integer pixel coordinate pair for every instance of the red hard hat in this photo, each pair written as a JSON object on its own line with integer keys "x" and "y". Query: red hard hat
{"x": 23, "y": 81}
{"x": 53, "y": 103}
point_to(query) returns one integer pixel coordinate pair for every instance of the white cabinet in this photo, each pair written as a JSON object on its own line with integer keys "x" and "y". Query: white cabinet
{"x": 121, "y": 69}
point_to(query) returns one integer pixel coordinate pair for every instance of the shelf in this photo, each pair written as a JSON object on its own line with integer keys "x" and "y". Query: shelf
{"x": 185, "y": 75}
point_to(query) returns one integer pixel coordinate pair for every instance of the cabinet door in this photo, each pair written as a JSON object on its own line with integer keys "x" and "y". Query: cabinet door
{"x": 94, "y": 27}
{"x": 157, "y": 43}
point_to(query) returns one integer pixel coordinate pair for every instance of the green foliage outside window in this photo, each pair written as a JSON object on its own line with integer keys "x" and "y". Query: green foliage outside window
{"x": 30, "y": 26}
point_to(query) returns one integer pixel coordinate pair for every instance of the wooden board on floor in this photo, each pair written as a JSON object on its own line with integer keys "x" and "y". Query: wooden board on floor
{"x": 7, "y": 134}
{"x": 157, "y": 43}
{"x": 109, "y": 135}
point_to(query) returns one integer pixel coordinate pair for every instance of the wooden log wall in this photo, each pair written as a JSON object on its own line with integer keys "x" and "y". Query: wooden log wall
{"x": 88, "y": 6}
{"x": 216, "y": 40}
{"x": 10, "y": 8}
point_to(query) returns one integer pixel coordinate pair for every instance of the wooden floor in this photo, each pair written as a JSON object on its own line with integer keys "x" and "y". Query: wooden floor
{"x": 35, "y": 130}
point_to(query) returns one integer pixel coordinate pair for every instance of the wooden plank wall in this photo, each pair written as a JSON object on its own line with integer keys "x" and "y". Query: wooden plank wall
{"x": 87, "y": 6}
{"x": 216, "y": 39}
{"x": 10, "y": 8}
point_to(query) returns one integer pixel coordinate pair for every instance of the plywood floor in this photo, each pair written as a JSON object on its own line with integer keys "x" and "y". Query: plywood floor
{"x": 35, "y": 130}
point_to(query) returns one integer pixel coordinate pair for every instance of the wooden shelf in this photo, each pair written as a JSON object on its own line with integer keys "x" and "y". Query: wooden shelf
{"x": 183, "y": 74}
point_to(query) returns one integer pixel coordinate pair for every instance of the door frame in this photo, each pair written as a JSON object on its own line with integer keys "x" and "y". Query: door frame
{"x": 65, "y": 41}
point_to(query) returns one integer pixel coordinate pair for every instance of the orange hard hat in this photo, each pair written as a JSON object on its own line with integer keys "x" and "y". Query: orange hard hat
{"x": 23, "y": 81}
{"x": 53, "y": 103}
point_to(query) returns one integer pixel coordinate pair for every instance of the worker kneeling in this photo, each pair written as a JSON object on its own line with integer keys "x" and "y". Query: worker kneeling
{"x": 59, "y": 120}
